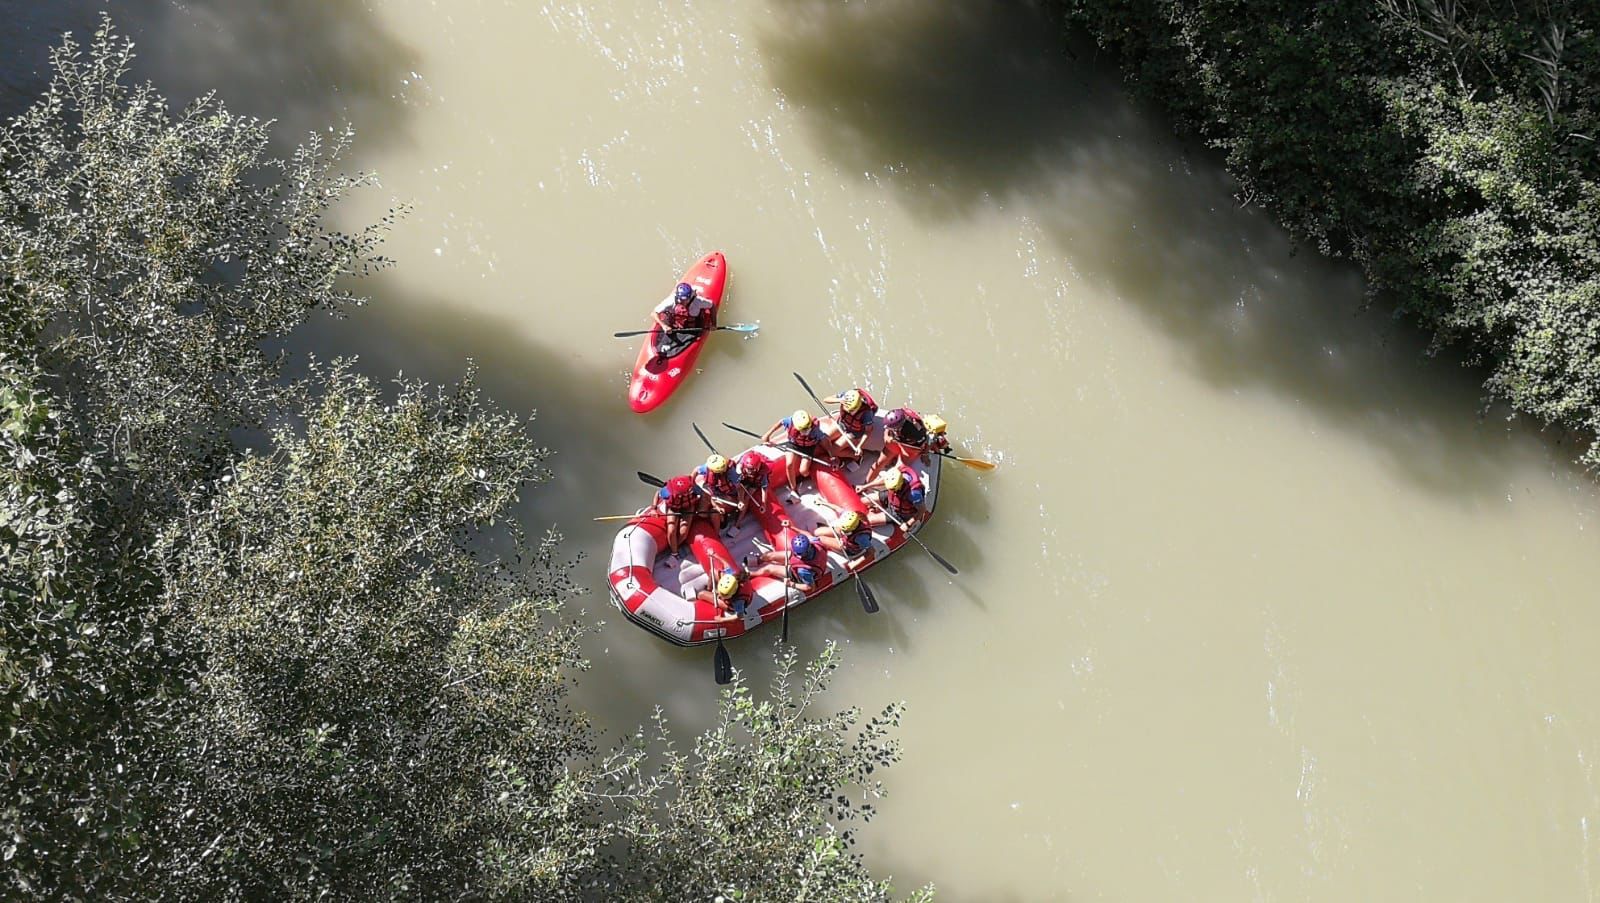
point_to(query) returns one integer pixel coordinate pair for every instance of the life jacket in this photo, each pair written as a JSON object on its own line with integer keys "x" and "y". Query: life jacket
{"x": 912, "y": 431}
{"x": 903, "y": 501}
{"x": 858, "y": 542}
{"x": 804, "y": 569}
{"x": 741, "y": 598}
{"x": 857, "y": 421}
{"x": 718, "y": 484}
{"x": 678, "y": 496}
{"x": 809, "y": 439}
{"x": 678, "y": 316}
{"x": 757, "y": 477}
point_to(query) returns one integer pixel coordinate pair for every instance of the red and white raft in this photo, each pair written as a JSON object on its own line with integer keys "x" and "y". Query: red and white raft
{"x": 657, "y": 592}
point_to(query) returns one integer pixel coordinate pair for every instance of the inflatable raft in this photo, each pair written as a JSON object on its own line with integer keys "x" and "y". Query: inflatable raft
{"x": 658, "y": 592}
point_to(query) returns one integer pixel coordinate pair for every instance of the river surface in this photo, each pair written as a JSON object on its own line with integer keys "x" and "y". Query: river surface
{"x": 1261, "y": 603}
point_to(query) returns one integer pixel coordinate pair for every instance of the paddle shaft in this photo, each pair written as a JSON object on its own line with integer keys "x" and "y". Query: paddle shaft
{"x": 854, "y": 447}
{"x": 914, "y": 538}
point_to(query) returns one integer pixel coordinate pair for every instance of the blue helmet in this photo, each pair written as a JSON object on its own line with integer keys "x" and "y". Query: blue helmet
{"x": 800, "y": 546}
{"x": 684, "y": 293}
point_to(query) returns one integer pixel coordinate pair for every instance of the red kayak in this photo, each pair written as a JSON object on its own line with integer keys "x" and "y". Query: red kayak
{"x": 655, "y": 379}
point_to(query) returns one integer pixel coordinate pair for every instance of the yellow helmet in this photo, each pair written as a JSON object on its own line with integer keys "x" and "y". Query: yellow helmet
{"x": 727, "y": 585}
{"x": 717, "y": 464}
{"x": 848, "y": 522}
{"x": 893, "y": 477}
{"x": 935, "y": 424}
{"x": 801, "y": 421}
{"x": 851, "y": 400}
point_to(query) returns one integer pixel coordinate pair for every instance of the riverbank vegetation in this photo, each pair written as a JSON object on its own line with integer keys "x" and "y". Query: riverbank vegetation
{"x": 273, "y": 637}
{"x": 1450, "y": 147}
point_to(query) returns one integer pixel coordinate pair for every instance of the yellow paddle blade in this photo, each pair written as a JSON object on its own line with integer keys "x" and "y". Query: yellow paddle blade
{"x": 977, "y": 463}
{"x": 618, "y": 517}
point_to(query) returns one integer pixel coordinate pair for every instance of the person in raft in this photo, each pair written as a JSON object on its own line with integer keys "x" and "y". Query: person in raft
{"x": 857, "y": 411}
{"x": 909, "y": 436}
{"x": 717, "y": 488}
{"x": 685, "y": 308}
{"x": 848, "y": 535}
{"x": 801, "y": 441}
{"x": 901, "y": 497}
{"x": 751, "y": 476}
{"x": 680, "y": 501}
{"x": 799, "y": 565}
{"x": 731, "y": 596}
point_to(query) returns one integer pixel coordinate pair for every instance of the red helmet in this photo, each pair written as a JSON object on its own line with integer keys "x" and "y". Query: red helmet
{"x": 751, "y": 462}
{"x": 680, "y": 485}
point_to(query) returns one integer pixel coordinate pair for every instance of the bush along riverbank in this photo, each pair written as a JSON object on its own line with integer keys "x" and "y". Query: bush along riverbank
{"x": 292, "y": 668}
{"x": 1451, "y": 148}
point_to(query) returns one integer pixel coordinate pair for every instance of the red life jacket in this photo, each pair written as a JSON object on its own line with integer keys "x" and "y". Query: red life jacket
{"x": 857, "y": 421}
{"x": 900, "y": 502}
{"x": 858, "y": 542}
{"x": 719, "y": 484}
{"x": 678, "y": 496}
{"x": 809, "y": 439}
{"x": 796, "y": 563}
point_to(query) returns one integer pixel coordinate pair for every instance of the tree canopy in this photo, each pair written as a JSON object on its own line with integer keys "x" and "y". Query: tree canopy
{"x": 263, "y": 637}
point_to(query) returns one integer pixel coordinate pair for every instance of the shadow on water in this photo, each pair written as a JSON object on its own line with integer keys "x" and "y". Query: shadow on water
{"x": 583, "y": 419}
{"x": 971, "y": 107}
{"x": 310, "y": 64}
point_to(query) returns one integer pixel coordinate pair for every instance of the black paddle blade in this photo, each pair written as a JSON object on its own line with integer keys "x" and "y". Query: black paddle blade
{"x": 807, "y": 386}
{"x": 940, "y": 558}
{"x": 653, "y": 481}
{"x": 869, "y": 603}
{"x": 785, "y": 635}
{"x": 627, "y": 335}
{"x": 722, "y": 665}
{"x": 741, "y": 430}
{"x": 702, "y": 435}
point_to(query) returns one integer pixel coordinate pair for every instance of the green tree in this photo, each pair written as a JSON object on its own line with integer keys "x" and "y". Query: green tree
{"x": 263, "y": 638}
{"x": 1449, "y": 148}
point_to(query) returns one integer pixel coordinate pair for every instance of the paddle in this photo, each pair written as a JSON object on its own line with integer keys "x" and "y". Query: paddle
{"x": 974, "y": 463}
{"x": 748, "y": 328}
{"x": 619, "y": 517}
{"x": 760, "y": 438}
{"x": 697, "y": 432}
{"x": 854, "y": 446}
{"x": 659, "y": 483}
{"x": 902, "y": 525}
{"x": 722, "y": 665}
{"x": 868, "y": 603}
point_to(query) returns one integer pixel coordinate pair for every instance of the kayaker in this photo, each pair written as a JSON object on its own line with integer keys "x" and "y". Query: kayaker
{"x": 732, "y": 595}
{"x": 857, "y": 411}
{"x": 848, "y": 535}
{"x": 685, "y": 308}
{"x": 799, "y": 565}
{"x": 799, "y": 438}
{"x": 680, "y": 501}
{"x": 901, "y": 496}
{"x": 718, "y": 490}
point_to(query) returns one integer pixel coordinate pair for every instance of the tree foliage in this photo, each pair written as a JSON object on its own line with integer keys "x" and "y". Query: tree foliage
{"x": 263, "y": 638}
{"x": 1448, "y": 146}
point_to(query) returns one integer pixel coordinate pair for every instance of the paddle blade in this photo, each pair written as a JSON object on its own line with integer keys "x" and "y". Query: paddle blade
{"x": 940, "y": 558}
{"x": 868, "y": 602}
{"x": 629, "y": 335}
{"x": 807, "y": 386}
{"x": 748, "y": 328}
{"x": 722, "y": 665}
{"x": 785, "y": 635}
{"x": 740, "y": 430}
{"x": 702, "y": 435}
{"x": 977, "y": 463}
{"x": 653, "y": 481}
